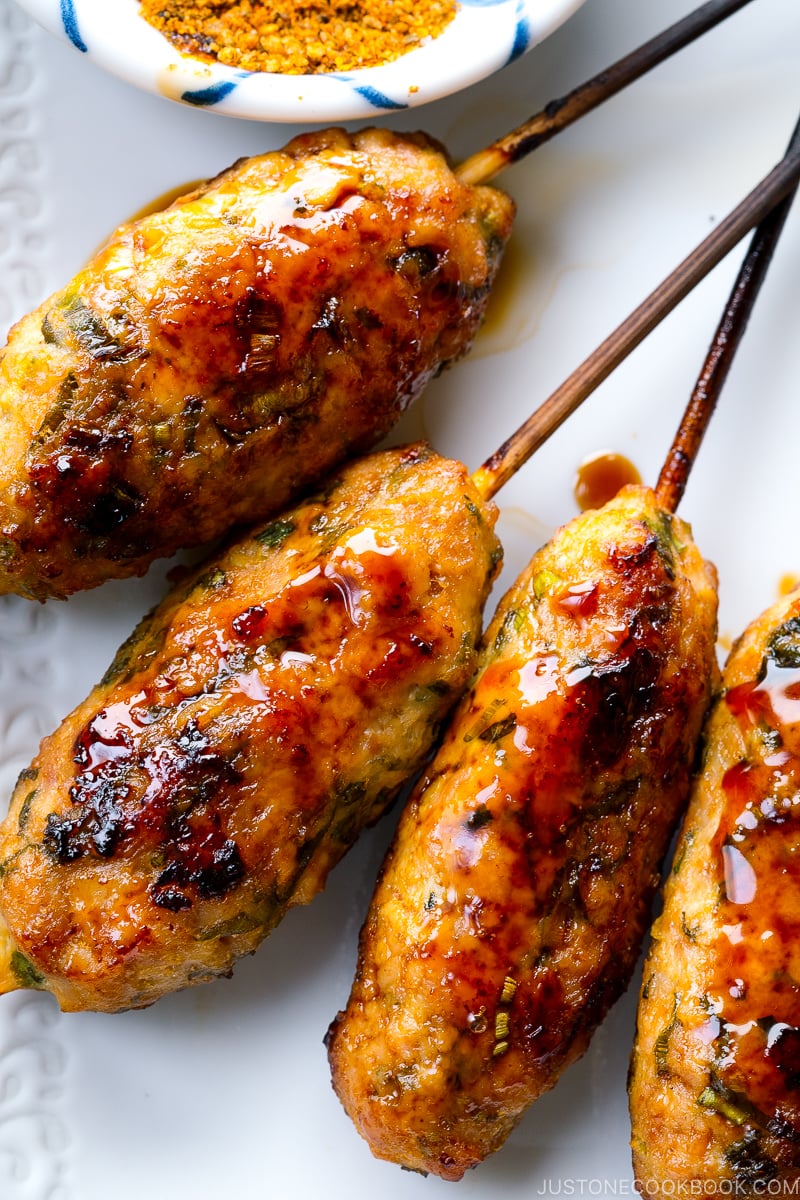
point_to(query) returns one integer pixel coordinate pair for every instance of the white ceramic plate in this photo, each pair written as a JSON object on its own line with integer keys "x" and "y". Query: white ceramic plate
{"x": 224, "y": 1091}
{"x": 483, "y": 37}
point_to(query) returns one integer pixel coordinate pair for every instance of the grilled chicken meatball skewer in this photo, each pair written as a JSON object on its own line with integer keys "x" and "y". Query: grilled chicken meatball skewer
{"x": 716, "y": 1063}
{"x": 511, "y": 907}
{"x": 218, "y": 357}
{"x": 214, "y": 359}
{"x": 267, "y": 710}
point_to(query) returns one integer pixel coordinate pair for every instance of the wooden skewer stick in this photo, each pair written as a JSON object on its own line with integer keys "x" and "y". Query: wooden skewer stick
{"x": 683, "y": 452}
{"x": 558, "y": 114}
{"x": 499, "y": 468}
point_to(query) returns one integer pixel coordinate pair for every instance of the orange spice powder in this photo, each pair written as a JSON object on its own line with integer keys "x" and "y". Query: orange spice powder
{"x": 299, "y": 37}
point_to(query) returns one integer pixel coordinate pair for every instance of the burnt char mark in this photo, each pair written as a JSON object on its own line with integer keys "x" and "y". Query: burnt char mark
{"x": 259, "y": 322}
{"x": 110, "y": 510}
{"x": 82, "y": 476}
{"x": 628, "y": 559}
{"x": 623, "y": 690}
{"x": 783, "y": 1051}
{"x": 332, "y": 321}
{"x": 416, "y": 263}
{"x": 618, "y": 694}
{"x": 752, "y": 1167}
{"x": 259, "y": 315}
{"x": 173, "y": 899}
{"x": 425, "y": 647}
{"x": 209, "y": 864}
{"x": 166, "y": 796}
{"x": 251, "y": 623}
{"x": 783, "y": 646}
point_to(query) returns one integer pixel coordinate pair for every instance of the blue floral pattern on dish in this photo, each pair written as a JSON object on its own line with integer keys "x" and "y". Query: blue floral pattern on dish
{"x": 523, "y": 35}
{"x": 214, "y": 93}
{"x": 483, "y": 37}
{"x": 371, "y": 94}
{"x": 70, "y": 23}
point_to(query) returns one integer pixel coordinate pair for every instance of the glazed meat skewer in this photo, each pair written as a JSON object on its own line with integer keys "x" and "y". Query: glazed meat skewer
{"x": 713, "y": 1090}
{"x": 716, "y": 1063}
{"x": 511, "y": 907}
{"x": 259, "y": 718}
{"x": 215, "y": 359}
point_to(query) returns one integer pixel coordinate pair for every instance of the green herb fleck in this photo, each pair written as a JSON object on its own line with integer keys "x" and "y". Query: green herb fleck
{"x": 65, "y": 398}
{"x": 485, "y": 719}
{"x": 439, "y": 687}
{"x": 351, "y": 793}
{"x": 662, "y": 531}
{"x": 424, "y": 693}
{"x": 122, "y": 659}
{"x": 91, "y": 332}
{"x": 25, "y": 972}
{"x": 689, "y": 932}
{"x": 275, "y": 534}
{"x": 545, "y": 582}
{"x": 661, "y": 1047}
{"x": 243, "y": 922}
{"x": 466, "y": 649}
{"x": 509, "y": 990}
{"x": 279, "y": 646}
{"x": 499, "y": 729}
{"x": 213, "y": 580}
{"x": 783, "y": 646}
{"x": 480, "y": 817}
{"x": 25, "y": 810}
{"x": 503, "y": 633}
{"x": 734, "y": 1106}
{"x": 49, "y": 333}
{"x": 686, "y": 842}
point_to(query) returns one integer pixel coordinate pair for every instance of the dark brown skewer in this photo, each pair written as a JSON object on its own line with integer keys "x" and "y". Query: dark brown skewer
{"x": 683, "y": 452}
{"x": 499, "y": 468}
{"x": 558, "y": 114}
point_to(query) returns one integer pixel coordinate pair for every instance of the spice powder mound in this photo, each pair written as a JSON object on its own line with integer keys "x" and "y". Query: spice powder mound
{"x": 299, "y": 38}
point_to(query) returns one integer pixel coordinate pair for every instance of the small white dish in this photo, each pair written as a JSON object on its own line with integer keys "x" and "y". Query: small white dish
{"x": 483, "y": 37}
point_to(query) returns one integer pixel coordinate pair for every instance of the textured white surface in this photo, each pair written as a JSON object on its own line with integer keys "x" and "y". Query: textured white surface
{"x": 224, "y": 1091}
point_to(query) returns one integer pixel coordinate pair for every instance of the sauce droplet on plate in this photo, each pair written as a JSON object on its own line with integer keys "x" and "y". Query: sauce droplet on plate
{"x": 600, "y": 477}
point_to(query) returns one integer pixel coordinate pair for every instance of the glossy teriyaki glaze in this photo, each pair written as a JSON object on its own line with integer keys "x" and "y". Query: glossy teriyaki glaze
{"x": 218, "y": 357}
{"x": 716, "y": 1084}
{"x": 511, "y": 907}
{"x": 266, "y": 711}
